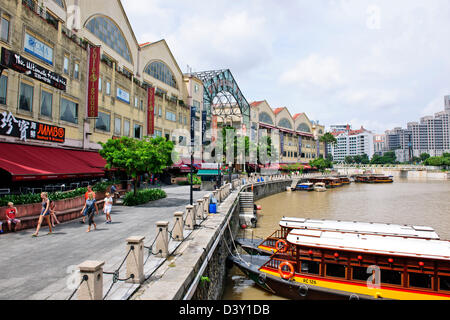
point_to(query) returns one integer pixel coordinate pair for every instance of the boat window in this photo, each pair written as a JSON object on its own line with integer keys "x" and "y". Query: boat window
{"x": 391, "y": 277}
{"x": 420, "y": 280}
{"x": 311, "y": 267}
{"x": 360, "y": 273}
{"x": 335, "y": 270}
{"x": 444, "y": 283}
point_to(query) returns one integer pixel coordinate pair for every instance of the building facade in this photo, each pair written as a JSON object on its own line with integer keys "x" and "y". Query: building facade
{"x": 44, "y": 81}
{"x": 351, "y": 143}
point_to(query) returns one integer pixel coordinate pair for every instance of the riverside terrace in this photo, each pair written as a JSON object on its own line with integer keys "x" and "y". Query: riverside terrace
{"x": 44, "y": 268}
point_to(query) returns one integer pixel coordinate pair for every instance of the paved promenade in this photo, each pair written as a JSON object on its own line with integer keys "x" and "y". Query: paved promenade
{"x": 37, "y": 268}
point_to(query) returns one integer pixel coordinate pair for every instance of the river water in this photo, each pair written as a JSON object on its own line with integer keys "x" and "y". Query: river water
{"x": 412, "y": 202}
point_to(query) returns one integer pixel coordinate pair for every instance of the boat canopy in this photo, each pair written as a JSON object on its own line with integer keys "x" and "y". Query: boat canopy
{"x": 369, "y": 243}
{"x": 385, "y": 229}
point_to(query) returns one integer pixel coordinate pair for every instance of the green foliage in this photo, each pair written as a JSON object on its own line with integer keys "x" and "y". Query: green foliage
{"x": 438, "y": 161}
{"x": 143, "y": 196}
{"x": 328, "y": 138}
{"x": 136, "y": 157}
{"x": 321, "y": 164}
{"x": 388, "y": 158}
{"x": 424, "y": 156}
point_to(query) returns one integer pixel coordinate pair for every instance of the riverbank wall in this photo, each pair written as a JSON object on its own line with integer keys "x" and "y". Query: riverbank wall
{"x": 397, "y": 173}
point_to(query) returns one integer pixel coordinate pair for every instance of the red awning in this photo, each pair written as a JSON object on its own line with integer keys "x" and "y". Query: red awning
{"x": 27, "y": 162}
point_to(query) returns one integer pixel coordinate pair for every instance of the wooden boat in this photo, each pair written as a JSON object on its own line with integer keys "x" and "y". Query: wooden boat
{"x": 306, "y": 186}
{"x": 373, "y": 178}
{"x": 330, "y": 182}
{"x": 320, "y": 187}
{"x": 319, "y": 264}
{"x": 344, "y": 180}
{"x": 269, "y": 245}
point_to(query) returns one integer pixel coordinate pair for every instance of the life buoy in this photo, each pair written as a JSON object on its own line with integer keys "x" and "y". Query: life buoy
{"x": 284, "y": 248}
{"x": 286, "y": 276}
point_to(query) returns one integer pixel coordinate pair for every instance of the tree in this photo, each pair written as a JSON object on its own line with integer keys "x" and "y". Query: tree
{"x": 328, "y": 138}
{"x": 136, "y": 157}
{"x": 349, "y": 160}
{"x": 321, "y": 164}
{"x": 424, "y": 156}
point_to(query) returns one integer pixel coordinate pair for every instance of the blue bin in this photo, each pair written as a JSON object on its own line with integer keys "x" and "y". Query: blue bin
{"x": 212, "y": 208}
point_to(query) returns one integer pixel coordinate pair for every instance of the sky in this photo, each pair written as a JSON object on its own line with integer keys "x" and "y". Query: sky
{"x": 377, "y": 64}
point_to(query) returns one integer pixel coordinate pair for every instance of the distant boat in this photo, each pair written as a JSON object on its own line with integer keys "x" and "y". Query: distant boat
{"x": 307, "y": 186}
{"x": 320, "y": 187}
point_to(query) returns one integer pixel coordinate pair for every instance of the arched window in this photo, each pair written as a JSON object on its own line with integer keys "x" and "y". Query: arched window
{"x": 285, "y": 123}
{"x": 303, "y": 127}
{"x": 60, "y": 3}
{"x": 264, "y": 117}
{"x": 105, "y": 29}
{"x": 161, "y": 71}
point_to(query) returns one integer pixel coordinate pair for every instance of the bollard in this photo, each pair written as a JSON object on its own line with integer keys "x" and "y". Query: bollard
{"x": 199, "y": 211}
{"x": 92, "y": 287}
{"x": 135, "y": 260}
{"x": 206, "y": 205}
{"x": 177, "y": 233}
{"x": 190, "y": 218}
{"x": 162, "y": 239}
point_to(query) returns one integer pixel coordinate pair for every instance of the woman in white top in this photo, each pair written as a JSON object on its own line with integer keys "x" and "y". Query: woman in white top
{"x": 107, "y": 206}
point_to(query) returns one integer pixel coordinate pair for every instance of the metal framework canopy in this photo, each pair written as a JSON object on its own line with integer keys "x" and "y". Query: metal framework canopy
{"x": 221, "y": 95}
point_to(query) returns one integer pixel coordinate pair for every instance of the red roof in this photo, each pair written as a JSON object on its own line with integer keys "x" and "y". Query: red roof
{"x": 297, "y": 115}
{"x": 144, "y": 44}
{"x": 27, "y": 162}
{"x": 256, "y": 103}
{"x": 277, "y": 110}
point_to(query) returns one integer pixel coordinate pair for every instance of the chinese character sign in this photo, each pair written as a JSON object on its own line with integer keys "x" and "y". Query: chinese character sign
{"x": 93, "y": 78}
{"x": 151, "y": 111}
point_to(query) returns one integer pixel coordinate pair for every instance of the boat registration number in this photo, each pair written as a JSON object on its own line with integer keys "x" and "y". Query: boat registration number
{"x": 309, "y": 281}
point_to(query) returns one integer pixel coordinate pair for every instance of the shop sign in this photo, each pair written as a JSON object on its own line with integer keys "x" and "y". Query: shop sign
{"x": 26, "y": 129}
{"x": 18, "y": 63}
{"x": 93, "y": 78}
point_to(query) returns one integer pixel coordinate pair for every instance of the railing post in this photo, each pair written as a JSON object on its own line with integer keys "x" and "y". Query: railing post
{"x": 219, "y": 200}
{"x": 206, "y": 205}
{"x": 92, "y": 287}
{"x": 190, "y": 218}
{"x": 177, "y": 233}
{"x": 199, "y": 211}
{"x": 135, "y": 260}
{"x": 162, "y": 240}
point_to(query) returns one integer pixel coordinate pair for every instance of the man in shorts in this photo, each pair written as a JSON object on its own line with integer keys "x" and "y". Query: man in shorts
{"x": 11, "y": 219}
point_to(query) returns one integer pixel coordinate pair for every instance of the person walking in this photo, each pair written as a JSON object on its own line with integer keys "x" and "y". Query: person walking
{"x": 45, "y": 213}
{"x": 107, "y": 206}
{"x": 89, "y": 207}
{"x": 83, "y": 212}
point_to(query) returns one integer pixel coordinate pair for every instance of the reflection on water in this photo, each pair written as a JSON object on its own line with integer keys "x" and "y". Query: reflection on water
{"x": 413, "y": 202}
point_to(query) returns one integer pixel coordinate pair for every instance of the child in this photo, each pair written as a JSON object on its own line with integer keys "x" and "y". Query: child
{"x": 53, "y": 217}
{"x": 107, "y": 206}
{"x": 11, "y": 212}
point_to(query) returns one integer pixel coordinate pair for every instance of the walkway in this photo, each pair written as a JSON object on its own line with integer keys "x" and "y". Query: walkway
{"x": 39, "y": 268}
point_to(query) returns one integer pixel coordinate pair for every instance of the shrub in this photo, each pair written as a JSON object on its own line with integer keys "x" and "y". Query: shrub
{"x": 143, "y": 196}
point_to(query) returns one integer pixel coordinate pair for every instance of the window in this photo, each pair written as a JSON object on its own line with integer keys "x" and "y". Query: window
{"x": 69, "y": 111}
{"x": 60, "y": 3}
{"x": 335, "y": 270}
{"x": 444, "y": 283}
{"x": 46, "y": 103}
{"x": 100, "y": 84}
{"x": 264, "y": 117}
{"x": 107, "y": 31}
{"x": 108, "y": 88}
{"x": 136, "y": 101}
{"x": 76, "y": 70}
{"x": 160, "y": 71}
{"x": 3, "y": 89}
{"x": 196, "y": 88}
{"x": 420, "y": 280}
{"x": 391, "y": 277}
{"x": 103, "y": 122}
{"x": 4, "y": 28}
{"x": 26, "y": 97}
{"x": 360, "y": 273}
{"x": 137, "y": 131}
{"x": 117, "y": 126}
{"x": 158, "y": 133}
{"x": 285, "y": 123}
{"x": 311, "y": 267}
{"x": 142, "y": 105}
{"x": 171, "y": 116}
{"x": 160, "y": 112}
{"x": 66, "y": 64}
{"x": 126, "y": 128}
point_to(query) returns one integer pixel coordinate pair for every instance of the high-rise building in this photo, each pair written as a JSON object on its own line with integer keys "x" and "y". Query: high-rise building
{"x": 351, "y": 142}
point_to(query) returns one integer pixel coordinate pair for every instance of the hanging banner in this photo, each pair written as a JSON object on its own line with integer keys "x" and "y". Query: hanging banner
{"x": 193, "y": 111}
{"x": 203, "y": 126}
{"x": 300, "y": 146}
{"x": 93, "y": 76}
{"x": 151, "y": 111}
{"x": 281, "y": 143}
{"x": 16, "y": 62}
{"x": 214, "y": 128}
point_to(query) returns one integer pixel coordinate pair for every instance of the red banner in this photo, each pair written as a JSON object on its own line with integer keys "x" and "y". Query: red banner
{"x": 151, "y": 111}
{"x": 93, "y": 76}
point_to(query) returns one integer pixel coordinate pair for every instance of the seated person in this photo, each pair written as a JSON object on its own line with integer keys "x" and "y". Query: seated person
{"x": 11, "y": 213}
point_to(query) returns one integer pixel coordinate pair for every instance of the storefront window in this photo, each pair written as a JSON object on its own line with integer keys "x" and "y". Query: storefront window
{"x": 103, "y": 122}
{"x": 26, "y": 97}
{"x": 46, "y": 103}
{"x": 137, "y": 131}
{"x": 69, "y": 111}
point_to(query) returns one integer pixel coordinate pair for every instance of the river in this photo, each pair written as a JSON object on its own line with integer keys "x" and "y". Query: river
{"x": 413, "y": 202}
